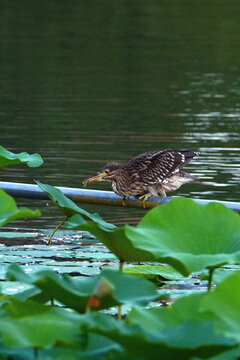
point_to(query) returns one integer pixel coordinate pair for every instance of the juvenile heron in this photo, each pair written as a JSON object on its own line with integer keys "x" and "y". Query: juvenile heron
{"x": 151, "y": 173}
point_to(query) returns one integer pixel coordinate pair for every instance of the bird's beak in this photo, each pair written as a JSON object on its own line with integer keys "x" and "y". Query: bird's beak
{"x": 96, "y": 177}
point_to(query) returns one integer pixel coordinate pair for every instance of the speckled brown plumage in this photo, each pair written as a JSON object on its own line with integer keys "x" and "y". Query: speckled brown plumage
{"x": 151, "y": 173}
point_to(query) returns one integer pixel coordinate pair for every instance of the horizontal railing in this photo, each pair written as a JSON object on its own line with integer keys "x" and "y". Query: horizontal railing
{"x": 20, "y": 190}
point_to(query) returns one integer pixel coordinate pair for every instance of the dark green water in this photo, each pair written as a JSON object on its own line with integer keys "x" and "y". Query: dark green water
{"x": 86, "y": 82}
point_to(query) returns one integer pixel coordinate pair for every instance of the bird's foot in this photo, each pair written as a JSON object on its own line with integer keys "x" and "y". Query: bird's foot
{"x": 123, "y": 201}
{"x": 144, "y": 198}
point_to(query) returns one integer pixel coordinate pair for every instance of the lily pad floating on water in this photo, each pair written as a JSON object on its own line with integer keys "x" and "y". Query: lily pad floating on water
{"x": 9, "y": 210}
{"x": 154, "y": 272}
{"x": 8, "y": 158}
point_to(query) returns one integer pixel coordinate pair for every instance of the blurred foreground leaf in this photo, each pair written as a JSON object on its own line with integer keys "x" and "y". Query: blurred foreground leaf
{"x": 75, "y": 293}
{"x": 224, "y": 304}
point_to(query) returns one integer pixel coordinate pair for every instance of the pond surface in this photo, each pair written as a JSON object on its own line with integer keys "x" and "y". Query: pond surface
{"x": 84, "y": 83}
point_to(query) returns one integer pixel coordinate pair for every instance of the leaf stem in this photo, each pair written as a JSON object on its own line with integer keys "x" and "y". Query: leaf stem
{"x": 88, "y": 308}
{"x": 119, "y": 316}
{"x": 210, "y": 279}
{"x": 121, "y": 265}
{"x": 56, "y": 229}
{"x": 120, "y": 306}
{"x": 35, "y": 353}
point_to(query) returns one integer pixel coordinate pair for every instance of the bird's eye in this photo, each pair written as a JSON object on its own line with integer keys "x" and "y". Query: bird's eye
{"x": 107, "y": 172}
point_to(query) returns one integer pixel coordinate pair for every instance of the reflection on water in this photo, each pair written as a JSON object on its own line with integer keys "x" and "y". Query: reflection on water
{"x": 157, "y": 75}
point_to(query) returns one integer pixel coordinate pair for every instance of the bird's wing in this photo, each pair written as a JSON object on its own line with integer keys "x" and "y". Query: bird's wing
{"x": 157, "y": 166}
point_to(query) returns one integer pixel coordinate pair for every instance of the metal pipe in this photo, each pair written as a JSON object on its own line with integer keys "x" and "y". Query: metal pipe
{"x": 20, "y": 190}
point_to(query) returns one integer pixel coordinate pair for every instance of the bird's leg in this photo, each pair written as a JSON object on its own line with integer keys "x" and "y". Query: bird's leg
{"x": 144, "y": 198}
{"x": 123, "y": 200}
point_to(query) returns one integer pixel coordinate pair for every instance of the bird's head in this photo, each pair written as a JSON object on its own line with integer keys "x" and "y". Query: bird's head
{"x": 107, "y": 172}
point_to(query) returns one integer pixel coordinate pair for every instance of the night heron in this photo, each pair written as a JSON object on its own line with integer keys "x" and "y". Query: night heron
{"x": 151, "y": 173}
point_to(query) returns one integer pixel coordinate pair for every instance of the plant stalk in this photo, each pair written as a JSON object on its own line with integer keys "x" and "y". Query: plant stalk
{"x": 121, "y": 265}
{"x": 56, "y": 229}
{"x": 120, "y": 306}
{"x": 35, "y": 353}
{"x": 210, "y": 279}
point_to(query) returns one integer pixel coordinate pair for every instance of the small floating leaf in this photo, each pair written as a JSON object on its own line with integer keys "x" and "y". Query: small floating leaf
{"x": 153, "y": 272}
{"x": 9, "y": 158}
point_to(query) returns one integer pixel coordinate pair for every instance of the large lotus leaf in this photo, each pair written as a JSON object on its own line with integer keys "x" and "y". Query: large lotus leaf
{"x": 158, "y": 318}
{"x": 68, "y": 207}
{"x": 233, "y": 354}
{"x": 9, "y": 210}
{"x": 53, "y": 286}
{"x": 189, "y": 236}
{"x": 21, "y": 316}
{"x": 16, "y": 308}
{"x": 96, "y": 349}
{"x": 38, "y": 331}
{"x": 193, "y": 337}
{"x": 8, "y": 158}
{"x": 17, "y": 353}
{"x": 114, "y": 239}
{"x": 224, "y": 304}
{"x": 110, "y": 287}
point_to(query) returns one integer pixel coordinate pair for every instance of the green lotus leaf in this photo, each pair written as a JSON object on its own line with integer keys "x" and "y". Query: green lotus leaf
{"x": 96, "y": 348}
{"x": 232, "y": 354}
{"x": 69, "y": 208}
{"x": 75, "y": 293}
{"x": 9, "y": 210}
{"x": 17, "y": 329}
{"x": 193, "y": 337}
{"x": 37, "y": 331}
{"x": 8, "y": 158}
{"x": 182, "y": 310}
{"x": 114, "y": 239}
{"x": 224, "y": 304}
{"x": 189, "y": 236}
